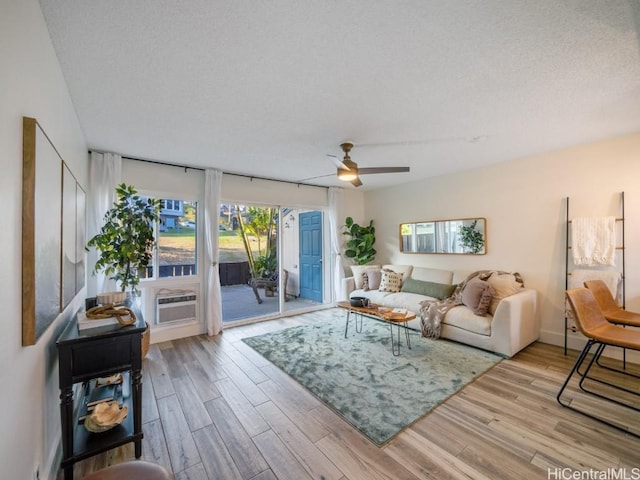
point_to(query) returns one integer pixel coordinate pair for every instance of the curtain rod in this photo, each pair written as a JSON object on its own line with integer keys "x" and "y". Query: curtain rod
{"x": 167, "y": 164}
{"x": 201, "y": 169}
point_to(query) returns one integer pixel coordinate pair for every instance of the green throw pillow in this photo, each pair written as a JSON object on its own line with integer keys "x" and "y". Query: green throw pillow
{"x": 430, "y": 289}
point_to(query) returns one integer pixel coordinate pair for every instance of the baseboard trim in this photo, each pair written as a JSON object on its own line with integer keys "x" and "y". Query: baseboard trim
{"x": 576, "y": 341}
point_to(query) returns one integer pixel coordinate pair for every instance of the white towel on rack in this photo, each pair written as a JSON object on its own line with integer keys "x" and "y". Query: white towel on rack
{"x": 611, "y": 278}
{"x": 593, "y": 240}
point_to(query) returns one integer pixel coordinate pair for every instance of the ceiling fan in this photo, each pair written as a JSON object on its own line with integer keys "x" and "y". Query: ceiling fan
{"x": 348, "y": 170}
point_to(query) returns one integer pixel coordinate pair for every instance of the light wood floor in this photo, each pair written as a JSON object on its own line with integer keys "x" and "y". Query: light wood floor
{"x": 214, "y": 409}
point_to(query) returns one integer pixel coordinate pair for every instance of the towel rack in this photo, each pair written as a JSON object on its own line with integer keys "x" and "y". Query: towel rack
{"x": 619, "y": 248}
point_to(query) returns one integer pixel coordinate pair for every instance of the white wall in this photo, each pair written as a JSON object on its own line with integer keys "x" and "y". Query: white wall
{"x": 290, "y": 252}
{"x": 31, "y": 84}
{"x": 524, "y": 203}
{"x": 353, "y": 205}
{"x": 256, "y": 191}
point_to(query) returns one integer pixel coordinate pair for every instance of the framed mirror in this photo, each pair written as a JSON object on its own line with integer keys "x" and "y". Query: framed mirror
{"x": 467, "y": 236}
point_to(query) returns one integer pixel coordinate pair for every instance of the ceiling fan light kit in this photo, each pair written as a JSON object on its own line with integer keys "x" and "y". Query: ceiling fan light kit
{"x": 346, "y": 175}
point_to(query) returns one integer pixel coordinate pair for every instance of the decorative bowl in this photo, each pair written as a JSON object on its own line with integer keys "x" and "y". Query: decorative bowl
{"x": 114, "y": 379}
{"x": 108, "y": 298}
{"x": 105, "y": 416}
{"x": 359, "y": 301}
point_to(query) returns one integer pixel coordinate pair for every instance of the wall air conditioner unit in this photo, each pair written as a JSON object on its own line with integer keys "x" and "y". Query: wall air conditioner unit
{"x": 176, "y": 308}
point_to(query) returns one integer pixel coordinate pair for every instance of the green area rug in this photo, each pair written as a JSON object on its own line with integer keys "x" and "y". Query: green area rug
{"x": 360, "y": 379}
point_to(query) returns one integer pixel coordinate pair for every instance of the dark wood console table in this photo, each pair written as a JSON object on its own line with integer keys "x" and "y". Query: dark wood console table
{"x": 84, "y": 356}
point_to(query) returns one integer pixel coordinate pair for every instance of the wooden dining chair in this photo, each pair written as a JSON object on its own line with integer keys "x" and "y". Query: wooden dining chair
{"x": 600, "y": 333}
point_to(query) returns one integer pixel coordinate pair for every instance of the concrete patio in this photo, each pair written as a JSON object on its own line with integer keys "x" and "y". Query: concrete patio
{"x": 239, "y": 302}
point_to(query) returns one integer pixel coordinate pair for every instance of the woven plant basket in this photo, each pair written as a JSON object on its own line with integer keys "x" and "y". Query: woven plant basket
{"x": 111, "y": 298}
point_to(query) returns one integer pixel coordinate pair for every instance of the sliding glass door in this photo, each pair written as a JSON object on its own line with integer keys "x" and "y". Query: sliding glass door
{"x": 271, "y": 261}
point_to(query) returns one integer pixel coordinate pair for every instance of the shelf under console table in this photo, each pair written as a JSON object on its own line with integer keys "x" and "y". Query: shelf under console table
{"x": 88, "y": 355}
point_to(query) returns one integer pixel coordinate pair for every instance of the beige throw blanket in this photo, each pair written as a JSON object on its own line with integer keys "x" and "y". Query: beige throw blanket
{"x": 432, "y": 312}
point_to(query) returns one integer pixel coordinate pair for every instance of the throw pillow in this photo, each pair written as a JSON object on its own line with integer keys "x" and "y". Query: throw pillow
{"x": 504, "y": 285}
{"x": 371, "y": 279}
{"x": 430, "y": 289}
{"x": 405, "y": 270}
{"x": 390, "y": 282}
{"x": 476, "y": 295}
{"x": 358, "y": 270}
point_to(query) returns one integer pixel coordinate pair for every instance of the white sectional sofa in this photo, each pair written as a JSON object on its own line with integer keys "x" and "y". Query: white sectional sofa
{"x": 513, "y": 325}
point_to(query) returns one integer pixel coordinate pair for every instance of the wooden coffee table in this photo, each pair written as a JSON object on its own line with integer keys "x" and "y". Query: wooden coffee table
{"x": 384, "y": 314}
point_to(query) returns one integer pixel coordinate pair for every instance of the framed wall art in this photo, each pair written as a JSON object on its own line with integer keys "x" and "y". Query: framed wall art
{"x": 73, "y": 204}
{"x": 53, "y": 205}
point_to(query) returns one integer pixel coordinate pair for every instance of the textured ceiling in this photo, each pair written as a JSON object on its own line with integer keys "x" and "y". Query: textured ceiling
{"x": 269, "y": 88}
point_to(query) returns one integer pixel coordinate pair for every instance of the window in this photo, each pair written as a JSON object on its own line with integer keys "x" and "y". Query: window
{"x": 172, "y": 207}
{"x": 176, "y": 235}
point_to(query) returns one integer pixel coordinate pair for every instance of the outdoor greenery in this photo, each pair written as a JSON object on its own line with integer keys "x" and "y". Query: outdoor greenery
{"x": 261, "y": 223}
{"x": 231, "y": 248}
{"x": 177, "y": 242}
{"x": 189, "y": 212}
{"x": 266, "y": 265}
{"x": 126, "y": 240}
{"x": 360, "y": 246}
{"x": 470, "y": 238}
{"x": 230, "y": 243}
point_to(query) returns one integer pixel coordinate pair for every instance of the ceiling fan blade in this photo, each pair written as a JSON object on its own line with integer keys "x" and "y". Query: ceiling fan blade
{"x": 337, "y": 162}
{"x": 356, "y": 182}
{"x": 368, "y": 171}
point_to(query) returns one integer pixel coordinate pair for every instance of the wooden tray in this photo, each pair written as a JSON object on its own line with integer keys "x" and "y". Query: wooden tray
{"x": 389, "y": 314}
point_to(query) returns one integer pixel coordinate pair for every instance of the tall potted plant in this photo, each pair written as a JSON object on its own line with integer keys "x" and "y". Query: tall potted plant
{"x": 126, "y": 240}
{"x": 360, "y": 246}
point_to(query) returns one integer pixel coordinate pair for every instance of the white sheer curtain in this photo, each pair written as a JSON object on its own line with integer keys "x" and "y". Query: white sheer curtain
{"x": 335, "y": 209}
{"x": 105, "y": 173}
{"x": 213, "y": 296}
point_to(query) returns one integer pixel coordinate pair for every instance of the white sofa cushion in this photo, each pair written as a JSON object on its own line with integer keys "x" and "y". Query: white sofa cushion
{"x": 357, "y": 271}
{"x": 410, "y": 301}
{"x": 432, "y": 275}
{"x": 376, "y": 296}
{"x": 405, "y": 270}
{"x": 462, "y": 317}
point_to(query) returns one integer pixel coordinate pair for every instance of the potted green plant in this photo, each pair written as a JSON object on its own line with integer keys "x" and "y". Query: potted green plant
{"x": 266, "y": 265}
{"x": 470, "y": 239}
{"x": 360, "y": 246}
{"x": 126, "y": 240}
